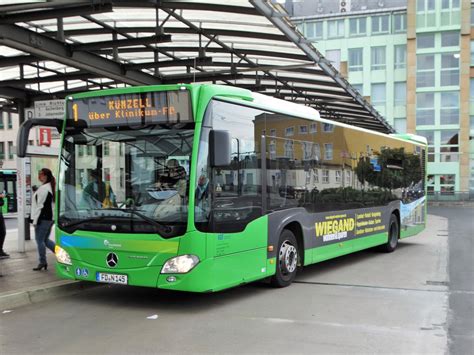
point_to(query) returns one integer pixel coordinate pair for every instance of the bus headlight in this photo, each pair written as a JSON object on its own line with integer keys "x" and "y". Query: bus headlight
{"x": 62, "y": 255}
{"x": 180, "y": 264}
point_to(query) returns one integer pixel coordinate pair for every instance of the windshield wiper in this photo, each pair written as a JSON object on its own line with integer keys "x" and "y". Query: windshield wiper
{"x": 77, "y": 223}
{"x": 151, "y": 221}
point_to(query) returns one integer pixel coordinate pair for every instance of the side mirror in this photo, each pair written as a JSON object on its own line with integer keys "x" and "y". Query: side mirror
{"x": 24, "y": 131}
{"x": 219, "y": 148}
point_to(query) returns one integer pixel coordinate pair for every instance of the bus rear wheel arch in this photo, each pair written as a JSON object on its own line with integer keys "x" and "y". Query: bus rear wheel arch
{"x": 287, "y": 259}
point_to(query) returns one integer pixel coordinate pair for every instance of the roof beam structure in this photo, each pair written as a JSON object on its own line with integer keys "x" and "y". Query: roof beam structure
{"x": 128, "y": 42}
{"x": 52, "y": 49}
{"x": 59, "y": 47}
{"x": 11, "y": 17}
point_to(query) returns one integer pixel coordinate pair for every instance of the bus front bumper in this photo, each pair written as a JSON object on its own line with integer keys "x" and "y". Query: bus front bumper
{"x": 196, "y": 280}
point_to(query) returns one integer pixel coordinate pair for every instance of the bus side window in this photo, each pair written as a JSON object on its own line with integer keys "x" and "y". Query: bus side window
{"x": 232, "y": 193}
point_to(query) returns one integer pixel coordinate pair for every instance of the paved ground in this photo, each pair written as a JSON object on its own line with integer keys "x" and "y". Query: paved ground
{"x": 17, "y": 271}
{"x": 461, "y": 277}
{"x": 363, "y": 303}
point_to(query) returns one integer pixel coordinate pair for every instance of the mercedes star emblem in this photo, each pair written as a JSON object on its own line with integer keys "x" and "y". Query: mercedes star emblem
{"x": 112, "y": 259}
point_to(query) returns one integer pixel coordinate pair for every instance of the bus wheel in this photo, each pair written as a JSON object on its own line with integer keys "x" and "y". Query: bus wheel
{"x": 287, "y": 260}
{"x": 393, "y": 234}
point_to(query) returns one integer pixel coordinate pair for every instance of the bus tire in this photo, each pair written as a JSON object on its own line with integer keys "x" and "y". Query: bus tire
{"x": 393, "y": 235}
{"x": 286, "y": 260}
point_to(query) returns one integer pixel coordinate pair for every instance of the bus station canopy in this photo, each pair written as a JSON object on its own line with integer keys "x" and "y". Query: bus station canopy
{"x": 51, "y": 49}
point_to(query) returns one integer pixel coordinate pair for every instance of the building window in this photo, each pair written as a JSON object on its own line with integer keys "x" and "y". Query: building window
{"x": 80, "y": 150}
{"x": 400, "y": 93}
{"x": 400, "y": 56}
{"x": 449, "y": 146}
{"x": 425, "y": 40}
{"x": 89, "y": 150}
{"x": 2, "y": 150}
{"x": 449, "y": 107}
{"x": 314, "y": 30}
{"x": 9, "y": 120}
{"x": 425, "y": 71}
{"x": 325, "y": 176}
{"x": 303, "y": 129}
{"x": 399, "y": 23}
{"x": 335, "y": 28}
{"x": 378, "y": 58}
{"x": 425, "y": 111}
{"x": 450, "y": 14}
{"x": 430, "y": 182}
{"x": 472, "y": 53}
{"x": 355, "y": 59}
{"x": 380, "y": 24}
{"x": 425, "y": 13}
{"x": 313, "y": 128}
{"x": 348, "y": 177}
{"x": 400, "y": 124}
{"x": 106, "y": 148}
{"x": 272, "y": 149}
{"x": 328, "y": 127}
{"x": 334, "y": 56}
{"x": 289, "y": 149}
{"x": 449, "y": 4}
{"x": 357, "y": 26}
{"x": 378, "y": 95}
{"x": 327, "y": 151}
{"x": 446, "y": 184}
{"x": 425, "y": 5}
{"x": 1, "y": 120}
{"x": 307, "y": 148}
{"x": 289, "y": 131}
{"x": 338, "y": 176}
{"x": 450, "y": 39}
{"x": 450, "y": 69}
{"x": 10, "y": 150}
{"x": 316, "y": 151}
{"x": 471, "y": 89}
{"x": 316, "y": 176}
{"x": 429, "y": 135}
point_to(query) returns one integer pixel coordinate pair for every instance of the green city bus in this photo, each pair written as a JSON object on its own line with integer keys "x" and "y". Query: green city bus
{"x": 199, "y": 187}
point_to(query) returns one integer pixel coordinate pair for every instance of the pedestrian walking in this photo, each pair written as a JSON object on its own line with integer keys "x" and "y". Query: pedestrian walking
{"x": 3, "y": 230}
{"x": 42, "y": 215}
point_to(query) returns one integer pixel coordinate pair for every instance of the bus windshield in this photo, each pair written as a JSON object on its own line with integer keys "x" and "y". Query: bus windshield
{"x": 126, "y": 180}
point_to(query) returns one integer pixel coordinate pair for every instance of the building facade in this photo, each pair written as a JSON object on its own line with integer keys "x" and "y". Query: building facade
{"x": 413, "y": 62}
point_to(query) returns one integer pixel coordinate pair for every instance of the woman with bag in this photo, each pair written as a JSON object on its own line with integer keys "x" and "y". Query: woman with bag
{"x": 42, "y": 215}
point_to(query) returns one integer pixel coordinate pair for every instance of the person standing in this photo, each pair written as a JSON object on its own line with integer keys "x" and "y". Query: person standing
{"x": 42, "y": 215}
{"x": 3, "y": 230}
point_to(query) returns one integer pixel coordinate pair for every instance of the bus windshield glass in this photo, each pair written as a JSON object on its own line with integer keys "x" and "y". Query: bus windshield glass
{"x": 126, "y": 179}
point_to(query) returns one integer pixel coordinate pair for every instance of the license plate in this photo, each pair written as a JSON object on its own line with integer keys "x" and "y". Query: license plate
{"x": 112, "y": 278}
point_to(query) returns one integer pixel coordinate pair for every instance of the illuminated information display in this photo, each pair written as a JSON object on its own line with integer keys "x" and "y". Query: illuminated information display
{"x": 131, "y": 109}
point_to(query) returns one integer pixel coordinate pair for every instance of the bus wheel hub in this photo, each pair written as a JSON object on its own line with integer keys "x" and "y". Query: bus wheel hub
{"x": 288, "y": 257}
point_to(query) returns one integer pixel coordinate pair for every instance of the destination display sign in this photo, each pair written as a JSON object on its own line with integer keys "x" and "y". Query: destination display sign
{"x": 131, "y": 109}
